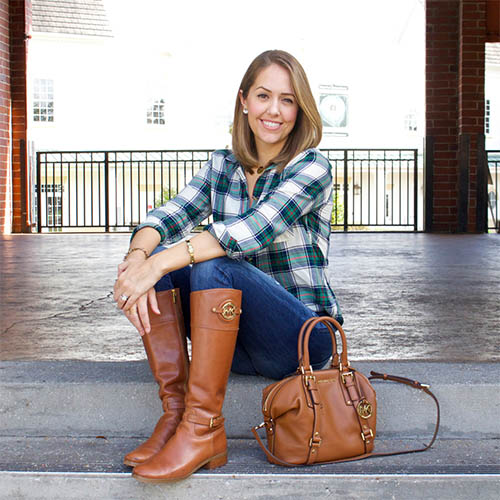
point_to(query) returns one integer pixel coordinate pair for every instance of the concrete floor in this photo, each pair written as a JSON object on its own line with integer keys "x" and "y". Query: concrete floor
{"x": 404, "y": 297}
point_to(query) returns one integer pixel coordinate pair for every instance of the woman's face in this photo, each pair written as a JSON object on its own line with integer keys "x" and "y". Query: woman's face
{"x": 272, "y": 110}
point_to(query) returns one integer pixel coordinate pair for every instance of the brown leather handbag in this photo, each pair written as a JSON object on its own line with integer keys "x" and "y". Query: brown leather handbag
{"x": 327, "y": 415}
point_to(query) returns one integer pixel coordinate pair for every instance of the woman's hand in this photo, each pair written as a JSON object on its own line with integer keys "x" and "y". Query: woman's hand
{"x": 138, "y": 314}
{"x": 136, "y": 276}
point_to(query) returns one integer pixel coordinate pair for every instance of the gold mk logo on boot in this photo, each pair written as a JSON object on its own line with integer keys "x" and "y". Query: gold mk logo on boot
{"x": 227, "y": 310}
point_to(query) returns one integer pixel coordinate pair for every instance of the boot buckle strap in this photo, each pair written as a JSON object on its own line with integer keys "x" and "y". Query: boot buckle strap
{"x": 227, "y": 310}
{"x": 216, "y": 421}
{"x": 211, "y": 422}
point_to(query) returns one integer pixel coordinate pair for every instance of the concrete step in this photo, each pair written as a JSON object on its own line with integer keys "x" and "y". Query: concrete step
{"x": 57, "y": 468}
{"x": 65, "y": 426}
{"x": 119, "y": 399}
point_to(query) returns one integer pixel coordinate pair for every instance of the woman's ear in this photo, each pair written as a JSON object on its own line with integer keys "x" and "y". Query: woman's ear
{"x": 242, "y": 99}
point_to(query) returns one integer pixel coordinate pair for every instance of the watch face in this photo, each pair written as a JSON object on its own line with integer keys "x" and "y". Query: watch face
{"x": 333, "y": 110}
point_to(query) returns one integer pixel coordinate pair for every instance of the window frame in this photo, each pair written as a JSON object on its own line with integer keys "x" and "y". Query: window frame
{"x": 43, "y": 105}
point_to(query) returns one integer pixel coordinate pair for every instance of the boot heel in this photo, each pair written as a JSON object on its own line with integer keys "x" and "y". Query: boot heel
{"x": 216, "y": 462}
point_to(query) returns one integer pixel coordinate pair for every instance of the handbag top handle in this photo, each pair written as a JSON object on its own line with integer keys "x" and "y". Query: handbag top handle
{"x": 303, "y": 341}
{"x": 335, "y": 355}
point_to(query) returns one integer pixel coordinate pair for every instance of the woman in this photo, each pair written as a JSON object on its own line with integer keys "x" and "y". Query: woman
{"x": 247, "y": 283}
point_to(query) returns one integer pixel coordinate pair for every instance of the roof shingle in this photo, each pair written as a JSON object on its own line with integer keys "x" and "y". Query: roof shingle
{"x": 76, "y": 17}
{"x": 493, "y": 54}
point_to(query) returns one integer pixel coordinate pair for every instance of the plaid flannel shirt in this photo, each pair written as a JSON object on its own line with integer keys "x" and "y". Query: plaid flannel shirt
{"x": 284, "y": 231}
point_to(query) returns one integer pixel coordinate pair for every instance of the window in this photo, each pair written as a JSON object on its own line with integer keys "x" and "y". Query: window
{"x": 51, "y": 202}
{"x": 411, "y": 121}
{"x": 487, "y": 115}
{"x": 156, "y": 112}
{"x": 43, "y": 100}
{"x": 54, "y": 209}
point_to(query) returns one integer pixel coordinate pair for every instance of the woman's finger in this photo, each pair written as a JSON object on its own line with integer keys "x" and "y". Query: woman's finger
{"x": 122, "y": 266}
{"x": 142, "y": 308}
{"x": 153, "y": 301}
{"x": 121, "y": 297}
{"x": 130, "y": 303}
{"x": 118, "y": 290}
{"x": 133, "y": 317}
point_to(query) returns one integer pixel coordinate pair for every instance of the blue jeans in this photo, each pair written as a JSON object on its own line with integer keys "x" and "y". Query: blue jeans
{"x": 270, "y": 321}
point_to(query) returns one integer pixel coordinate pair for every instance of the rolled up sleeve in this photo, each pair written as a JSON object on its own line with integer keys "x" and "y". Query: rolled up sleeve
{"x": 176, "y": 219}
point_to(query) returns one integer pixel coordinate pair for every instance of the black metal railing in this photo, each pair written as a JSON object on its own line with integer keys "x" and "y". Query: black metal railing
{"x": 375, "y": 188}
{"x": 113, "y": 190}
{"x": 493, "y": 160}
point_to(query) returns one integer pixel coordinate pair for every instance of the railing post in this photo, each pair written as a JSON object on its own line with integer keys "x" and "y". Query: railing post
{"x": 346, "y": 197}
{"x": 106, "y": 193}
{"x": 428, "y": 183}
{"x": 481, "y": 187}
{"x": 38, "y": 193}
{"x": 25, "y": 228}
{"x": 415, "y": 190}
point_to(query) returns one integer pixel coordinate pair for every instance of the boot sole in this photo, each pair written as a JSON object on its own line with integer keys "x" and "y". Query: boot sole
{"x": 132, "y": 464}
{"x": 210, "y": 464}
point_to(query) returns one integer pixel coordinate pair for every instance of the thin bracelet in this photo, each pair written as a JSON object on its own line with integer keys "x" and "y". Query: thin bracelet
{"x": 133, "y": 250}
{"x": 190, "y": 250}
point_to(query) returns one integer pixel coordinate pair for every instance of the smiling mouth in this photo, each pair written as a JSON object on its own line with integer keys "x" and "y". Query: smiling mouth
{"x": 271, "y": 125}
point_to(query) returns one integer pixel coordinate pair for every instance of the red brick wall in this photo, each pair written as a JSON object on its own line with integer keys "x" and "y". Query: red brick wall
{"x": 4, "y": 118}
{"x": 455, "y": 37}
{"x": 20, "y": 22}
{"x": 471, "y": 92}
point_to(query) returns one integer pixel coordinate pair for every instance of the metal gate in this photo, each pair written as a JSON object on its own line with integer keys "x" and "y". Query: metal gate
{"x": 78, "y": 191}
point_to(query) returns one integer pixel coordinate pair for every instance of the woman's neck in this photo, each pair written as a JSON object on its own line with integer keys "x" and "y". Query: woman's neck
{"x": 267, "y": 152}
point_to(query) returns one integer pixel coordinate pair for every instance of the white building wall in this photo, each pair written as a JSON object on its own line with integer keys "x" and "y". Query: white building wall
{"x": 492, "y": 92}
{"x": 102, "y": 85}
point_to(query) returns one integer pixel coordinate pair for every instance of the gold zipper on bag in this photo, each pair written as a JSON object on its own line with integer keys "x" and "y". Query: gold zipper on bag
{"x": 273, "y": 391}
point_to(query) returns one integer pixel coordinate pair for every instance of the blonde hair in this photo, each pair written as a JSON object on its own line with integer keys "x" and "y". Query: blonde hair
{"x": 307, "y": 130}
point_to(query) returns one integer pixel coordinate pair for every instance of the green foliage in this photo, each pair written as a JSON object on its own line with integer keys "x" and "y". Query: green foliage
{"x": 338, "y": 208}
{"x": 166, "y": 194}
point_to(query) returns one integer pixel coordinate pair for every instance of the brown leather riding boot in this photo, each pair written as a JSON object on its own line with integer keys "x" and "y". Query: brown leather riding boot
{"x": 200, "y": 438}
{"x": 166, "y": 349}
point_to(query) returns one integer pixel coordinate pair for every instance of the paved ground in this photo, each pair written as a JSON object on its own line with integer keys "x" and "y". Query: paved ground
{"x": 404, "y": 296}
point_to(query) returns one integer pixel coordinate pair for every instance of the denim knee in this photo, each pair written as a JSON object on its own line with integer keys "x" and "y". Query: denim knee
{"x": 211, "y": 274}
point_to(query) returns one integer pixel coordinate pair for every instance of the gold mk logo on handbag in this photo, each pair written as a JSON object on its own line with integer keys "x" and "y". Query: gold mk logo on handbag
{"x": 364, "y": 409}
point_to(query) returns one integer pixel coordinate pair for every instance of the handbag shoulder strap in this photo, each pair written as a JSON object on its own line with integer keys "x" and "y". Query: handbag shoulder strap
{"x": 374, "y": 376}
{"x": 416, "y": 385}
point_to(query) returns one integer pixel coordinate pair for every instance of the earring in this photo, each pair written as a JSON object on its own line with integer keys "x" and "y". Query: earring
{"x": 245, "y": 111}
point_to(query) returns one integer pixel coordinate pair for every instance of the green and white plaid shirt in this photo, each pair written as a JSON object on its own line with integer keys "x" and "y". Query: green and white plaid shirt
{"x": 284, "y": 231}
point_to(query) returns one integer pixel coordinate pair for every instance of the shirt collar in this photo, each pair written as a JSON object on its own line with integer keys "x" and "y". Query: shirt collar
{"x": 232, "y": 164}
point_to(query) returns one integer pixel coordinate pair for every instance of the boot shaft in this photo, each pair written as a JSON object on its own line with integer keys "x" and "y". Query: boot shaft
{"x": 215, "y": 316}
{"x": 166, "y": 349}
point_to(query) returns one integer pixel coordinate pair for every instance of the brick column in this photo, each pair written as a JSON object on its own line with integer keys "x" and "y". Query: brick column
{"x": 5, "y": 225}
{"x": 455, "y": 38}
{"x": 472, "y": 37}
{"x": 20, "y": 22}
